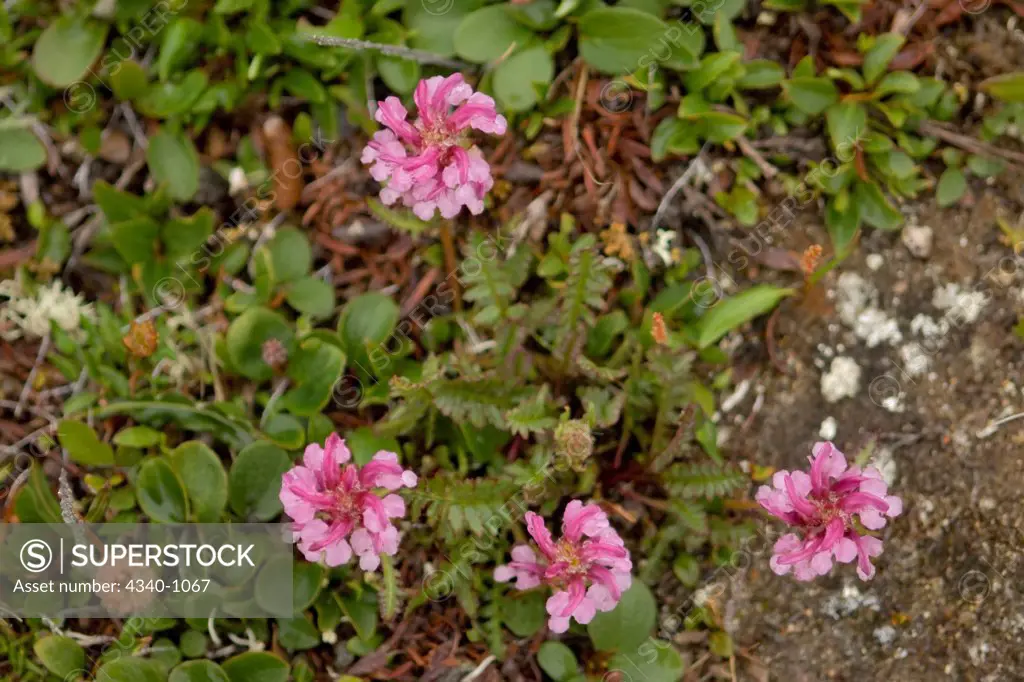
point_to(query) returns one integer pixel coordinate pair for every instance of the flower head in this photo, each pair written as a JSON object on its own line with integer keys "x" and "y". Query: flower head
{"x": 589, "y": 567}
{"x": 427, "y": 164}
{"x": 822, "y": 507}
{"x": 336, "y": 509}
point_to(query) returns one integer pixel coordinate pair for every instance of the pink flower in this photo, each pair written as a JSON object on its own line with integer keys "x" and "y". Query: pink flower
{"x": 427, "y": 164}
{"x": 589, "y": 568}
{"x": 337, "y": 512}
{"x": 822, "y": 507}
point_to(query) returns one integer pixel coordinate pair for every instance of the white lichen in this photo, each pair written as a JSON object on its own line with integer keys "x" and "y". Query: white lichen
{"x": 27, "y": 314}
{"x": 841, "y": 381}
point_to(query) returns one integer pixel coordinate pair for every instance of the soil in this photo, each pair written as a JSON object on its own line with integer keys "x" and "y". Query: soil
{"x": 946, "y": 602}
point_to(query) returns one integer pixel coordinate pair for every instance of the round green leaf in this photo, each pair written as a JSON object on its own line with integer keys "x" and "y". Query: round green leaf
{"x": 256, "y": 666}
{"x": 316, "y": 367}
{"x": 847, "y": 123}
{"x": 198, "y": 671}
{"x": 173, "y": 160}
{"x": 665, "y": 665}
{"x": 952, "y": 186}
{"x": 615, "y": 39}
{"x": 204, "y": 477}
{"x": 83, "y": 445}
{"x": 290, "y": 255}
{"x": 432, "y": 23}
{"x": 312, "y": 296}
{"x": 366, "y": 321}
{"x": 67, "y": 48}
{"x": 557, "y": 660}
{"x": 255, "y": 481}
{"x": 138, "y": 437}
{"x": 298, "y": 633}
{"x": 62, "y": 656}
{"x": 246, "y": 336}
{"x": 193, "y": 644}
{"x": 20, "y": 149}
{"x": 131, "y": 669}
{"x": 487, "y": 33}
{"x": 516, "y": 79}
{"x": 523, "y": 613}
{"x": 626, "y": 626}
{"x": 160, "y": 492}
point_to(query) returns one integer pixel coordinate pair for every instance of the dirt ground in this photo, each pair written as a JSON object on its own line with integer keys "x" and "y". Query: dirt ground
{"x": 947, "y": 602}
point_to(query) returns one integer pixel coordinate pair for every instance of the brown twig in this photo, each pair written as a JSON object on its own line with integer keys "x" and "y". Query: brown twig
{"x": 748, "y": 150}
{"x": 970, "y": 144}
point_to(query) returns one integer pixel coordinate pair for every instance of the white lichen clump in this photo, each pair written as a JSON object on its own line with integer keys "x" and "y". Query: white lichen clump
{"x": 29, "y": 315}
{"x": 856, "y": 303}
{"x": 841, "y": 381}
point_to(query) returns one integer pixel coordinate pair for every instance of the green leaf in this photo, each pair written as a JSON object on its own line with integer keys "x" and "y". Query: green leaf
{"x": 434, "y": 30}
{"x": 1008, "y": 87}
{"x": 204, "y": 478}
{"x": 951, "y": 188}
{"x": 131, "y": 669}
{"x": 625, "y": 627}
{"x": 316, "y": 368}
{"x": 20, "y": 149}
{"x": 255, "y": 481}
{"x": 404, "y": 220}
{"x": 720, "y": 644}
{"x": 67, "y": 48}
{"x": 687, "y": 569}
{"x": 138, "y": 437}
{"x": 734, "y": 311}
{"x": 712, "y": 67}
{"x": 517, "y": 78}
{"x": 557, "y": 660}
{"x": 83, "y": 445}
{"x": 361, "y": 610}
{"x": 36, "y": 502}
{"x": 523, "y": 612}
{"x": 811, "y": 95}
{"x": 312, "y": 296}
{"x": 178, "y": 46}
{"x": 183, "y": 237}
{"x": 876, "y": 60}
{"x": 247, "y": 334}
{"x": 875, "y": 209}
{"x": 656, "y": 661}
{"x": 366, "y": 321}
{"x": 136, "y": 239}
{"x": 615, "y": 39}
{"x": 289, "y": 255}
{"x": 842, "y": 225}
{"x": 298, "y": 633}
{"x": 160, "y": 492}
{"x": 761, "y": 74}
{"x": 487, "y": 33}
{"x": 62, "y": 656}
{"x": 847, "y": 123}
{"x": 720, "y": 126}
{"x": 198, "y": 671}
{"x": 256, "y": 666}
{"x": 673, "y": 136}
{"x": 898, "y": 82}
{"x": 172, "y": 159}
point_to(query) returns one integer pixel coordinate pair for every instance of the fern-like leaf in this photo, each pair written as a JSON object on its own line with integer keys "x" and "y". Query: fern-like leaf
{"x": 532, "y": 416}
{"x": 702, "y": 480}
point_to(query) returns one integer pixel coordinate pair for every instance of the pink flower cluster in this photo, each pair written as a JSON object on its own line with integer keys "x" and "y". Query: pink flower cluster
{"x": 336, "y": 510}
{"x": 426, "y": 163}
{"x": 589, "y": 567}
{"x": 821, "y": 507}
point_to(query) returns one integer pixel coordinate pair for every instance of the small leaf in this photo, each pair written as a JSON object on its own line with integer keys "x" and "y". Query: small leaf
{"x": 256, "y": 666}
{"x": 732, "y": 312}
{"x": 198, "y": 671}
{"x": 877, "y": 59}
{"x": 657, "y": 661}
{"x": 1008, "y": 87}
{"x": 487, "y": 33}
{"x": 67, "y": 48}
{"x": 625, "y": 627}
{"x": 557, "y": 660}
{"x": 761, "y": 74}
{"x": 160, "y": 492}
{"x": 311, "y": 296}
{"x": 952, "y": 186}
{"x": 875, "y": 209}
{"x": 523, "y": 613}
{"x": 82, "y": 444}
{"x": 847, "y": 123}
{"x": 204, "y": 478}
{"x": 172, "y": 159}
{"x": 366, "y": 322}
{"x": 517, "y": 78}
{"x": 255, "y": 481}
{"x": 811, "y": 95}
{"x": 136, "y": 239}
{"x": 247, "y": 334}
{"x": 20, "y": 149}
{"x": 62, "y": 656}
{"x": 138, "y": 437}
{"x": 131, "y": 669}
{"x": 607, "y": 45}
